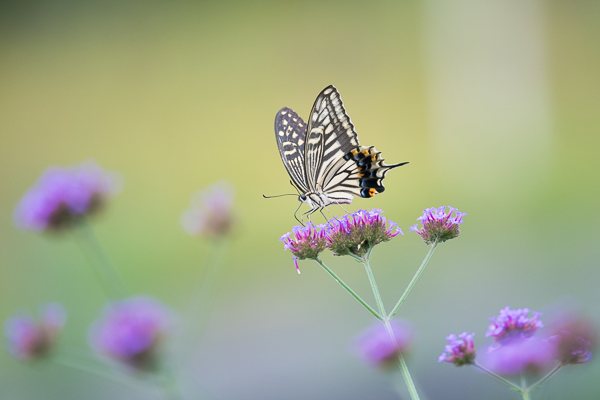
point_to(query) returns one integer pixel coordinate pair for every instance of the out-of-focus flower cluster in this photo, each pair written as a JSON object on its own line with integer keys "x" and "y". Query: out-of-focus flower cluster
{"x": 211, "y": 212}
{"x": 521, "y": 346}
{"x": 131, "y": 331}
{"x": 30, "y": 339}
{"x": 62, "y": 196}
{"x": 380, "y": 348}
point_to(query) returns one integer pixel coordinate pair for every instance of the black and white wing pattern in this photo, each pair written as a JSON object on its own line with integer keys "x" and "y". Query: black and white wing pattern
{"x": 290, "y": 132}
{"x": 325, "y": 160}
{"x": 330, "y": 136}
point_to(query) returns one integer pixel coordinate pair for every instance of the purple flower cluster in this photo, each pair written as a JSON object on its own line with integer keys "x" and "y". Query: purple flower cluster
{"x": 29, "y": 339}
{"x": 305, "y": 242}
{"x": 520, "y": 348}
{"x": 211, "y": 212}
{"x": 460, "y": 350}
{"x": 354, "y": 234}
{"x": 514, "y": 324}
{"x": 131, "y": 330}
{"x": 63, "y": 195}
{"x": 378, "y": 348}
{"x": 359, "y": 232}
{"x": 439, "y": 224}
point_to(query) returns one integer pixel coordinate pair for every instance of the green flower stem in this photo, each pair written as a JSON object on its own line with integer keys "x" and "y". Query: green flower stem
{"x": 408, "y": 381}
{"x": 349, "y": 290}
{"x": 545, "y": 377}
{"x": 525, "y": 394}
{"x": 169, "y": 383}
{"x": 103, "y": 268}
{"x": 414, "y": 280}
{"x": 500, "y": 378}
{"x": 75, "y": 365}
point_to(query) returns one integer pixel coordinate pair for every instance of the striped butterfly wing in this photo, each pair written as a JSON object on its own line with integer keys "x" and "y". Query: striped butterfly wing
{"x": 336, "y": 164}
{"x": 359, "y": 173}
{"x": 290, "y": 132}
{"x": 330, "y": 137}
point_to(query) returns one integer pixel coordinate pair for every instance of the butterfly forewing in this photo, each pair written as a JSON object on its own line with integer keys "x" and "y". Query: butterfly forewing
{"x": 330, "y": 136}
{"x": 290, "y": 132}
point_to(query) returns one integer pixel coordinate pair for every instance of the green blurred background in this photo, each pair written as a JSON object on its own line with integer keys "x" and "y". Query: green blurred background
{"x": 495, "y": 104}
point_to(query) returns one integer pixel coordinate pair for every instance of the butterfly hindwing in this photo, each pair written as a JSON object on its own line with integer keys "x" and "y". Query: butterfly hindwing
{"x": 290, "y": 132}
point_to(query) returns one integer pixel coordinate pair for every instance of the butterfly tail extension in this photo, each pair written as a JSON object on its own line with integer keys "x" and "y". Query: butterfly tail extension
{"x": 372, "y": 169}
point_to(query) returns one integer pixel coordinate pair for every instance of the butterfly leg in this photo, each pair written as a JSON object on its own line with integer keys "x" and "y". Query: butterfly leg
{"x": 296, "y": 215}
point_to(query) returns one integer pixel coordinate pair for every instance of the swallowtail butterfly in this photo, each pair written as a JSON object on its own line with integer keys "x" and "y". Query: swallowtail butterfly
{"x": 324, "y": 159}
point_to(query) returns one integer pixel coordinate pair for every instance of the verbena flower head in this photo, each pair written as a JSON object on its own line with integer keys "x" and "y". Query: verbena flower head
{"x": 305, "y": 242}
{"x": 460, "y": 350}
{"x": 513, "y": 324}
{"x": 359, "y": 232}
{"x": 575, "y": 339}
{"x": 377, "y": 348}
{"x": 30, "y": 339}
{"x": 531, "y": 356}
{"x": 61, "y": 196}
{"x": 211, "y": 212}
{"x": 439, "y": 224}
{"x": 131, "y": 331}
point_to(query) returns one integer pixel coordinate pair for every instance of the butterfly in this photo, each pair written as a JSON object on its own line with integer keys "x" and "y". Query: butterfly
{"x": 325, "y": 161}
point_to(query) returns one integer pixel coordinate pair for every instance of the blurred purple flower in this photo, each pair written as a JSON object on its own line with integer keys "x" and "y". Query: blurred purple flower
{"x": 521, "y": 356}
{"x": 63, "y": 195}
{"x": 514, "y": 324}
{"x": 460, "y": 350}
{"x": 575, "y": 338}
{"x": 29, "y": 339}
{"x": 376, "y": 346}
{"x": 439, "y": 224}
{"x": 305, "y": 242}
{"x": 359, "y": 232}
{"x": 211, "y": 212}
{"x": 131, "y": 331}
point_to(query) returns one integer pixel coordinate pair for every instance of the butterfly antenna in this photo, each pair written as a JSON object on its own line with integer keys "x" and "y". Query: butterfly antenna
{"x": 278, "y": 195}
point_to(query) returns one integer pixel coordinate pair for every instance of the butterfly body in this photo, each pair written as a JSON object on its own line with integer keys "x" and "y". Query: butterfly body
{"x": 324, "y": 159}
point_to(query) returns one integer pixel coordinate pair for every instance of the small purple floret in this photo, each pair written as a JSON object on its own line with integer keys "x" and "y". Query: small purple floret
{"x": 211, "y": 212}
{"x": 359, "y": 232}
{"x": 514, "y": 324}
{"x": 377, "y": 347}
{"x": 29, "y": 339}
{"x": 61, "y": 196}
{"x": 439, "y": 224}
{"x": 305, "y": 242}
{"x": 131, "y": 330}
{"x": 460, "y": 350}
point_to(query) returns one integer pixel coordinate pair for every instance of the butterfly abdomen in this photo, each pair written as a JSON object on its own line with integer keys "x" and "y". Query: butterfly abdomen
{"x": 371, "y": 168}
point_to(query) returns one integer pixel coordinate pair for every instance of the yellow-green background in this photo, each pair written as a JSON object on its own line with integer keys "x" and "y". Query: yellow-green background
{"x": 495, "y": 104}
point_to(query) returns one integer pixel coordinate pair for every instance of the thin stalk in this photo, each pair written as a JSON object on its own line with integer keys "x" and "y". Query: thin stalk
{"x": 414, "y": 280}
{"x": 525, "y": 394}
{"x": 498, "y": 377}
{"x": 545, "y": 377}
{"x": 408, "y": 381}
{"x": 103, "y": 268}
{"x": 72, "y": 364}
{"x": 349, "y": 290}
{"x": 169, "y": 383}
